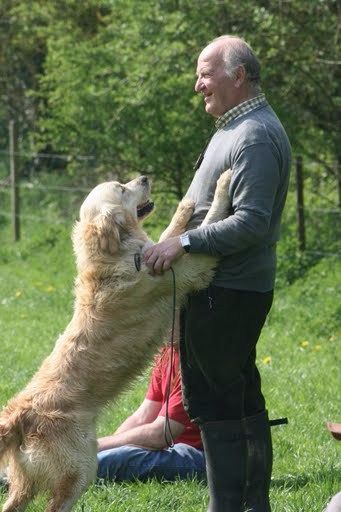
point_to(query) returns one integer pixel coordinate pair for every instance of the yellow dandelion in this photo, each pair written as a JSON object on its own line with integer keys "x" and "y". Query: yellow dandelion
{"x": 305, "y": 344}
{"x": 18, "y": 293}
{"x": 266, "y": 360}
{"x": 50, "y": 289}
{"x": 23, "y": 316}
{"x": 317, "y": 348}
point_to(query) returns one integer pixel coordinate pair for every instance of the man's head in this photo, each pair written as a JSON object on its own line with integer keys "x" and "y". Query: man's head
{"x": 228, "y": 73}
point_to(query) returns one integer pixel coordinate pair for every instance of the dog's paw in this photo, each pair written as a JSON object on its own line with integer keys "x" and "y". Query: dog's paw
{"x": 224, "y": 180}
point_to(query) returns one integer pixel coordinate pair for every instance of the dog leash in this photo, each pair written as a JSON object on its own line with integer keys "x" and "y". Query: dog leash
{"x": 167, "y": 432}
{"x": 202, "y": 154}
{"x": 167, "y": 428}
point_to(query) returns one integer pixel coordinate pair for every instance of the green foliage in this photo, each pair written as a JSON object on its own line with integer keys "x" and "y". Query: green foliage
{"x": 114, "y": 78}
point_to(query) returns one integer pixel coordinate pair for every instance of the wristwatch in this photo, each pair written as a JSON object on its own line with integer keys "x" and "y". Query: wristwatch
{"x": 184, "y": 240}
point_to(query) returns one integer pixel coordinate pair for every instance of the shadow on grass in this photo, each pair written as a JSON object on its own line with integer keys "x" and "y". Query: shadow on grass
{"x": 295, "y": 482}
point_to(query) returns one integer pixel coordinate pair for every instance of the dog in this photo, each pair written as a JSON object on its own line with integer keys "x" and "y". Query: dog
{"x": 121, "y": 312}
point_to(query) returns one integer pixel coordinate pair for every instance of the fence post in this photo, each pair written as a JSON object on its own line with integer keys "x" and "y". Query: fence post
{"x": 300, "y": 204}
{"x": 13, "y": 150}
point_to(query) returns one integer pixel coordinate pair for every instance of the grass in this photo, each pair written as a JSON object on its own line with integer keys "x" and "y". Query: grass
{"x": 299, "y": 359}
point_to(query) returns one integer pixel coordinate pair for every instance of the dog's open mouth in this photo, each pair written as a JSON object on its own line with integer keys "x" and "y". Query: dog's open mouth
{"x": 144, "y": 208}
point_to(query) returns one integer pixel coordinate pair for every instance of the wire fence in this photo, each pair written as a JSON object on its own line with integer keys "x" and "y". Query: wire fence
{"x": 17, "y": 187}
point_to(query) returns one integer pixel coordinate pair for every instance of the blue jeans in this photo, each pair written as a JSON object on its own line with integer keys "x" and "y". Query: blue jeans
{"x": 129, "y": 463}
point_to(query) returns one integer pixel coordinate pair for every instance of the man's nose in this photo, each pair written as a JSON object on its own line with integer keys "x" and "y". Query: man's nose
{"x": 198, "y": 85}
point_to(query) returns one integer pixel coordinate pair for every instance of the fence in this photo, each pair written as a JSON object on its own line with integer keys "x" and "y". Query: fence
{"x": 13, "y": 184}
{"x": 300, "y": 206}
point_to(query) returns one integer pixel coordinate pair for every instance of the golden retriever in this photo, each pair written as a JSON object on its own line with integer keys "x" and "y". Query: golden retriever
{"x": 121, "y": 312}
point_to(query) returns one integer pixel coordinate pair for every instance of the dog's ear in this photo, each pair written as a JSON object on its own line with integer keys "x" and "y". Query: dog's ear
{"x": 107, "y": 226}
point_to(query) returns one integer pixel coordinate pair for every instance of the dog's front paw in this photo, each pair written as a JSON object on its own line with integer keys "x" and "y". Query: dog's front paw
{"x": 223, "y": 182}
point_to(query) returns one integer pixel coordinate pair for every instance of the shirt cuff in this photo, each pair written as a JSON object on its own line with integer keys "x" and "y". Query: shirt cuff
{"x": 197, "y": 241}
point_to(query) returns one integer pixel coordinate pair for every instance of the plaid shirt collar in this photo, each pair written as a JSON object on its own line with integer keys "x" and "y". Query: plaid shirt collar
{"x": 240, "y": 110}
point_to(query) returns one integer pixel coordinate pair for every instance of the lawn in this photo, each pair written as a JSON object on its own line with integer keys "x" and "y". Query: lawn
{"x": 299, "y": 358}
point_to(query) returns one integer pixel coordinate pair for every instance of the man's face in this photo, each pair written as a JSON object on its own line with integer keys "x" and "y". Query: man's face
{"x": 219, "y": 91}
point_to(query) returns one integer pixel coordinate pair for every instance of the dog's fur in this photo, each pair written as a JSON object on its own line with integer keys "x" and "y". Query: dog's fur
{"x": 47, "y": 431}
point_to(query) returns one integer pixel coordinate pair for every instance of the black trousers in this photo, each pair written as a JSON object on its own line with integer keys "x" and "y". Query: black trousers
{"x": 220, "y": 328}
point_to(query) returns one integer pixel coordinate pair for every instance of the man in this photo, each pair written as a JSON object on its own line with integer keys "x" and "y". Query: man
{"x": 139, "y": 447}
{"x": 221, "y": 325}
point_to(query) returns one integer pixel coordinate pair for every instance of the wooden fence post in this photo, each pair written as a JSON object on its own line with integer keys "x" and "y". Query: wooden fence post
{"x": 300, "y": 204}
{"x": 13, "y": 150}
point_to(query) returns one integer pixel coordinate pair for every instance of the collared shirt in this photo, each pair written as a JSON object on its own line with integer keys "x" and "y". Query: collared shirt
{"x": 240, "y": 110}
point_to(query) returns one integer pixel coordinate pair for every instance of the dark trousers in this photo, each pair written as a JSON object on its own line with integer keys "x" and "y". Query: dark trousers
{"x": 219, "y": 331}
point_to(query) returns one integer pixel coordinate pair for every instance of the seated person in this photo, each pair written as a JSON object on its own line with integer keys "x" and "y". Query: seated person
{"x": 139, "y": 450}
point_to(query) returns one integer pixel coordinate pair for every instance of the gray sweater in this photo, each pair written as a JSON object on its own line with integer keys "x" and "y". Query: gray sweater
{"x": 256, "y": 148}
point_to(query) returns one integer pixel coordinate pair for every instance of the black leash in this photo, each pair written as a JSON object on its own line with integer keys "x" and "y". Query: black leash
{"x": 202, "y": 154}
{"x": 167, "y": 428}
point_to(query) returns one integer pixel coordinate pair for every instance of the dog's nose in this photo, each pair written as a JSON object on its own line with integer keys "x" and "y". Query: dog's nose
{"x": 144, "y": 180}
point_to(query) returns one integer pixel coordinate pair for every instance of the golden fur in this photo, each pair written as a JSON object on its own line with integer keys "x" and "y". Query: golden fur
{"x": 47, "y": 431}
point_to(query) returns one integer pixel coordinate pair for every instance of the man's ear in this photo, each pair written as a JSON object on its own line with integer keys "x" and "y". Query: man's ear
{"x": 240, "y": 76}
{"x": 107, "y": 224}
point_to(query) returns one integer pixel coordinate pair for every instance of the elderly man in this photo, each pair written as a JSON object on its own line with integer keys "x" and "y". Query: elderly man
{"x": 221, "y": 325}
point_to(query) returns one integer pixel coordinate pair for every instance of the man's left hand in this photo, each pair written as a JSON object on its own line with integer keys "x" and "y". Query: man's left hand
{"x": 161, "y": 256}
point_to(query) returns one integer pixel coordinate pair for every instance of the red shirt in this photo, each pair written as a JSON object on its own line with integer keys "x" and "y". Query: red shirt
{"x": 157, "y": 391}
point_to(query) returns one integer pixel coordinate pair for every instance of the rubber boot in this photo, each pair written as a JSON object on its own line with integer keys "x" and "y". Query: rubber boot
{"x": 225, "y": 453}
{"x": 259, "y": 463}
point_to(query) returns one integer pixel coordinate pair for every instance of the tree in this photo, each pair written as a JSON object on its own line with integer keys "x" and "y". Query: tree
{"x": 114, "y": 78}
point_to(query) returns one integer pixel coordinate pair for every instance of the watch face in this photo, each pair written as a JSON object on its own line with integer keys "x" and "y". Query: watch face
{"x": 185, "y": 242}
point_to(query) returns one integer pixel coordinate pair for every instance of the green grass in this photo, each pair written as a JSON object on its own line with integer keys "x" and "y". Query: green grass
{"x": 299, "y": 358}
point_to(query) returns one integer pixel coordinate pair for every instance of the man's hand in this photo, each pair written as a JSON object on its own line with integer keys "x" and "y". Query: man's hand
{"x": 161, "y": 256}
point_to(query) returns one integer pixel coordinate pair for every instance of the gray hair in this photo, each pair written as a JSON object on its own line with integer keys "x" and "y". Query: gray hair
{"x": 236, "y": 52}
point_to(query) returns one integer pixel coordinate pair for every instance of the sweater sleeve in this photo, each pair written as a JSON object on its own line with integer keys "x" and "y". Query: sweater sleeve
{"x": 255, "y": 181}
